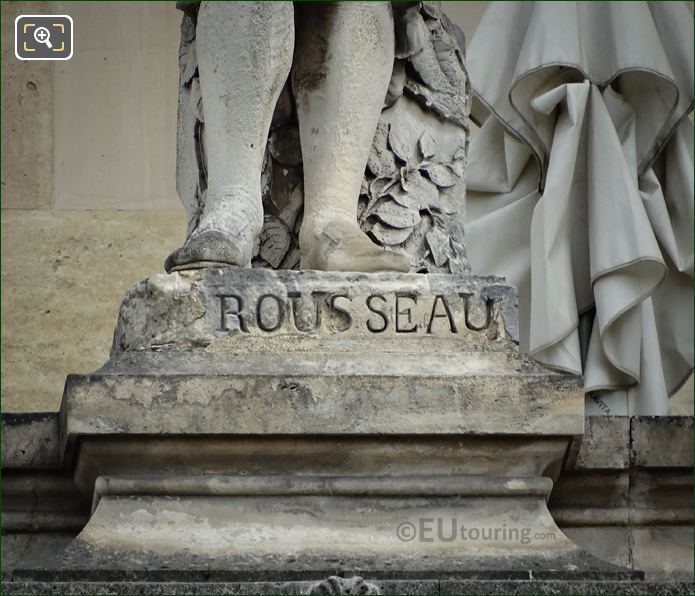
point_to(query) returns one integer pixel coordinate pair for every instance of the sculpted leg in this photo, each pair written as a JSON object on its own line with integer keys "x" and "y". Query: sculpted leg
{"x": 244, "y": 57}
{"x": 342, "y": 68}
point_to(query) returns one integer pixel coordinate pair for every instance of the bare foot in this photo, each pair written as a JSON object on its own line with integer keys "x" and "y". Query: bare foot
{"x": 340, "y": 245}
{"x": 224, "y": 236}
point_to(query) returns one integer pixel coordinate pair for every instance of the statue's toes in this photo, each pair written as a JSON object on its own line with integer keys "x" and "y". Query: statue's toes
{"x": 396, "y": 262}
{"x": 342, "y": 246}
{"x": 209, "y": 249}
{"x": 365, "y": 261}
{"x": 384, "y": 260}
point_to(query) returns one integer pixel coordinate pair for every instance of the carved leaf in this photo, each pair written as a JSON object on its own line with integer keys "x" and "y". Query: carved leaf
{"x": 458, "y": 263}
{"x": 399, "y": 144}
{"x": 438, "y": 243}
{"x": 396, "y": 215}
{"x": 380, "y": 186}
{"x": 415, "y": 184}
{"x": 440, "y": 174}
{"x": 427, "y": 145}
{"x": 460, "y": 154}
{"x": 409, "y": 200}
{"x": 448, "y": 54}
{"x": 275, "y": 241}
{"x": 441, "y": 82}
{"x": 411, "y": 32}
{"x": 429, "y": 71}
{"x": 284, "y": 146}
{"x": 448, "y": 72}
{"x": 456, "y": 167}
{"x": 389, "y": 236}
{"x": 450, "y": 105}
{"x": 417, "y": 34}
{"x": 291, "y": 260}
{"x": 449, "y": 63}
{"x": 446, "y": 202}
{"x": 415, "y": 244}
{"x": 432, "y": 9}
{"x": 381, "y": 161}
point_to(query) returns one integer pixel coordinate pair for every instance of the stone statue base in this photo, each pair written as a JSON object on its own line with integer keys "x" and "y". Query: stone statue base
{"x": 423, "y": 586}
{"x": 262, "y": 426}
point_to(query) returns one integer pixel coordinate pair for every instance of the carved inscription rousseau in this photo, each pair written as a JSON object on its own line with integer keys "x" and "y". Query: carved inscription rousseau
{"x": 223, "y": 307}
{"x": 400, "y": 312}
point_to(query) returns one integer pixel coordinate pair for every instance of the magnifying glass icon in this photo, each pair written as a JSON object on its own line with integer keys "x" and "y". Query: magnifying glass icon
{"x": 43, "y": 35}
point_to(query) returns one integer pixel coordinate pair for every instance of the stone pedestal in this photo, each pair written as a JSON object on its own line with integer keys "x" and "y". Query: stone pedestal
{"x": 260, "y": 426}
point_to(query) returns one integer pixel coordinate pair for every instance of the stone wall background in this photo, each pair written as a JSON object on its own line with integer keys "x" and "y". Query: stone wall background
{"x": 89, "y": 205}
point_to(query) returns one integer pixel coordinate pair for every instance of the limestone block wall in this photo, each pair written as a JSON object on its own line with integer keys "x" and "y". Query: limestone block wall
{"x": 89, "y": 206}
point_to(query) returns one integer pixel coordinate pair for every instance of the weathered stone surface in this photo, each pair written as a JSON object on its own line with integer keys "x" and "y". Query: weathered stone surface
{"x": 272, "y": 528}
{"x": 30, "y": 548}
{"x": 305, "y": 401}
{"x": 344, "y": 585}
{"x": 42, "y": 511}
{"x": 27, "y": 119}
{"x": 605, "y": 511}
{"x": 662, "y": 496}
{"x": 664, "y": 553}
{"x": 568, "y": 587}
{"x": 663, "y": 441}
{"x": 617, "y": 442}
{"x": 42, "y": 501}
{"x": 115, "y": 116}
{"x": 605, "y": 443}
{"x": 64, "y": 275}
{"x": 327, "y": 455}
{"x": 259, "y": 535}
{"x": 31, "y": 440}
{"x": 640, "y": 512}
{"x": 279, "y": 508}
{"x": 219, "y": 308}
{"x": 610, "y": 543}
{"x": 320, "y": 353}
{"x": 280, "y": 526}
{"x": 576, "y": 495}
{"x": 415, "y": 586}
{"x": 318, "y": 437}
{"x": 682, "y": 401}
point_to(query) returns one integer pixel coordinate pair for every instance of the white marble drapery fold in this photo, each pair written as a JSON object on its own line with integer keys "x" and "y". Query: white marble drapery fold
{"x": 580, "y": 188}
